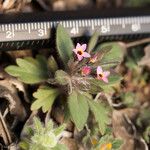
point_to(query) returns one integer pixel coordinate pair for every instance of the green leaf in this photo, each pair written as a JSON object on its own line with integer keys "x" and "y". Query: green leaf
{"x": 100, "y": 112}
{"x": 113, "y": 56}
{"x": 59, "y": 130}
{"x": 79, "y": 109}
{"x": 99, "y": 85}
{"x": 146, "y": 134}
{"x": 92, "y": 42}
{"x": 29, "y": 70}
{"x": 129, "y": 99}
{"x": 64, "y": 44}
{"x": 24, "y": 145}
{"x": 49, "y": 125}
{"x": 116, "y": 144}
{"x": 60, "y": 147}
{"x": 114, "y": 79}
{"x": 105, "y": 139}
{"x": 62, "y": 77}
{"x": 45, "y": 97}
{"x": 38, "y": 125}
{"x": 52, "y": 64}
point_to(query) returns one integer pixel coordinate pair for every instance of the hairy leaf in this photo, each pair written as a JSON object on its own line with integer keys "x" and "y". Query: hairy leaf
{"x": 29, "y": 70}
{"x": 49, "y": 125}
{"x": 52, "y": 64}
{"x": 92, "y": 42}
{"x": 113, "y": 56}
{"x": 100, "y": 113}
{"x": 61, "y": 77}
{"x": 79, "y": 109}
{"x": 99, "y": 85}
{"x": 45, "y": 97}
{"x": 38, "y": 126}
{"x": 24, "y": 144}
{"x": 64, "y": 44}
{"x": 59, "y": 130}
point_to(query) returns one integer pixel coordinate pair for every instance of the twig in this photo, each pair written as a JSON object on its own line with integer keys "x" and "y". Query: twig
{"x": 145, "y": 144}
{"x": 138, "y": 42}
{"x": 8, "y": 139}
{"x": 97, "y": 96}
{"x": 5, "y": 112}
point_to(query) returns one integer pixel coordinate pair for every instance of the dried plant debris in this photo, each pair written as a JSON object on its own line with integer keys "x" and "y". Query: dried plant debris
{"x": 145, "y": 61}
{"x": 70, "y": 4}
{"x": 11, "y": 108}
{"x": 59, "y": 5}
{"x": 14, "y": 5}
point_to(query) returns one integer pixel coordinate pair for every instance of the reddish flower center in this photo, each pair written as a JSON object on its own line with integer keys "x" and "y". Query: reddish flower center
{"x": 80, "y": 52}
{"x": 100, "y": 75}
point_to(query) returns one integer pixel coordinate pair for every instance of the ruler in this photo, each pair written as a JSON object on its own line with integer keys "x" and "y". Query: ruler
{"x": 36, "y": 30}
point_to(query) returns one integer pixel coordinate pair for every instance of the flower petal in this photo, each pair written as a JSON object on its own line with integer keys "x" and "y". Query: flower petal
{"x": 99, "y": 70}
{"x": 83, "y": 46}
{"x": 106, "y": 73}
{"x": 98, "y": 77}
{"x": 78, "y": 46}
{"x": 80, "y": 57}
{"x": 75, "y": 51}
{"x": 105, "y": 79}
{"x": 85, "y": 54}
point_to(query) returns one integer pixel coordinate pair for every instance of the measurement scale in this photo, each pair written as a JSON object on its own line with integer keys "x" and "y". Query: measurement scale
{"x": 35, "y": 30}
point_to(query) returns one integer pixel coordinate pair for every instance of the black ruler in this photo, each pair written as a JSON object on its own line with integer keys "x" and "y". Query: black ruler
{"x": 34, "y": 30}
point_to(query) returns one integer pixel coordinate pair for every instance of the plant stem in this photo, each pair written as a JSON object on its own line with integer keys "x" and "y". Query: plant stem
{"x": 138, "y": 42}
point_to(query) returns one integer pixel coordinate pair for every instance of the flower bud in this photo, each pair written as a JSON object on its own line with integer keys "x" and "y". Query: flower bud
{"x": 86, "y": 70}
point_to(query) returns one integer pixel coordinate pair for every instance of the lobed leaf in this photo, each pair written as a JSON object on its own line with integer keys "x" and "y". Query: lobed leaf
{"x": 29, "y": 70}
{"x": 100, "y": 113}
{"x": 45, "y": 97}
{"x": 79, "y": 109}
{"x": 38, "y": 125}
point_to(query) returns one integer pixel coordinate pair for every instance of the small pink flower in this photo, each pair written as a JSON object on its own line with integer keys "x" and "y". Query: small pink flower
{"x": 86, "y": 70}
{"x": 80, "y": 51}
{"x": 102, "y": 75}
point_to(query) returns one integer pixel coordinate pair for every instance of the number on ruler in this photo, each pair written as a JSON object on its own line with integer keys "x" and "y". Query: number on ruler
{"x": 9, "y": 34}
{"x": 74, "y": 31}
{"x": 135, "y": 27}
{"x": 41, "y": 32}
{"x": 105, "y": 29}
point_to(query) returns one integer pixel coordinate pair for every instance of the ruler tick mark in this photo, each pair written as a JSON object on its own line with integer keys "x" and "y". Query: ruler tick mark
{"x": 29, "y": 28}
